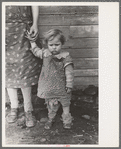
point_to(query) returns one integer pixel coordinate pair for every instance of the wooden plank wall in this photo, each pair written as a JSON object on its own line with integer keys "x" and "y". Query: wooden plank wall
{"x": 80, "y": 27}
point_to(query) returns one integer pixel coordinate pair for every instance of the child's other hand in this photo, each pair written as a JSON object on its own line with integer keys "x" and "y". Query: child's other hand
{"x": 46, "y": 53}
{"x": 68, "y": 90}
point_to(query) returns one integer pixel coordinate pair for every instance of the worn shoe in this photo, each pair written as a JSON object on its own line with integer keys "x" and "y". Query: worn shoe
{"x": 67, "y": 126}
{"x": 48, "y": 124}
{"x": 30, "y": 119}
{"x": 67, "y": 120}
{"x": 12, "y": 116}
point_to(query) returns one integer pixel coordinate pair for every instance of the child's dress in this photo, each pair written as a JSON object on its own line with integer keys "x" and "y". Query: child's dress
{"x": 22, "y": 67}
{"x": 53, "y": 81}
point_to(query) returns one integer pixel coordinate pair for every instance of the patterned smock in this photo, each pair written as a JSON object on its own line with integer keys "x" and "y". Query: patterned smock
{"x": 22, "y": 67}
{"x": 52, "y": 81}
{"x": 55, "y": 76}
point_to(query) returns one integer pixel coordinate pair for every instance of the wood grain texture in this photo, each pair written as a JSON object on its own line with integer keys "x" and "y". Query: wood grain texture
{"x": 86, "y": 72}
{"x": 67, "y": 9}
{"x": 84, "y": 31}
{"x": 85, "y": 81}
{"x": 65, "y": 20}
{"x": 80, "y": 27}
{"x": 84, "y": 19}
{"x": 85, "y": 63}
{"x": 82, "y": 87}
{"x": 77, "y": 43}
{"x": 83, "y": 53}
{"x": 64, "y": 29}
{"x": 71, "y": 32}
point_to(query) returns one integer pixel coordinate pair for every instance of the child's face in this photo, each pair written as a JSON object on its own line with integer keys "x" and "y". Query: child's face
{"x": 55, "y": 45}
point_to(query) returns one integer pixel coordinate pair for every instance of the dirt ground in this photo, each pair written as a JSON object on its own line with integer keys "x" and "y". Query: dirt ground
{"x": 84, "y": 110}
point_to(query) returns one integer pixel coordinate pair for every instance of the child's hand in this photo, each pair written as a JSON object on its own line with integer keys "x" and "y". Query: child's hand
{"x": 46, "y": 53}
{"x": 29, "y": 36}
{"x": 68, "y": 90}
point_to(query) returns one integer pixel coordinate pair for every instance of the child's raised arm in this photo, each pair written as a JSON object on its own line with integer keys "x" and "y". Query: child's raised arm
{"x": 36, "y": 50}
{"x": 40, "y": 53}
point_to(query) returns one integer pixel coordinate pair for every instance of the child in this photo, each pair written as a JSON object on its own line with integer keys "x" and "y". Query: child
{"x": 56, "y": 78}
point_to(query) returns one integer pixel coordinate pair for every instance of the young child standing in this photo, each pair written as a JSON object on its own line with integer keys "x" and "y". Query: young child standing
{"x": 56, "y": 78}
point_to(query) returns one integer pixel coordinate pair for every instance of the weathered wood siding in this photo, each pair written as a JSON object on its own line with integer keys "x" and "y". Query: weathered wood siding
{"x": 80, "y": 27}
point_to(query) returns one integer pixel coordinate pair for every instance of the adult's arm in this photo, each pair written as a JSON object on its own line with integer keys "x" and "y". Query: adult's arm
{"x": 34, "y": 27}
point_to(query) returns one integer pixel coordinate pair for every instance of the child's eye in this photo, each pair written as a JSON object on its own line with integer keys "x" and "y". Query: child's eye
{"x": 57, "y": 44}
{"x": 50, "y": 45}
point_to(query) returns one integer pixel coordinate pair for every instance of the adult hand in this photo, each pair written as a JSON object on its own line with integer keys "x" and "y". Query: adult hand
{"x": 33, "y": 31}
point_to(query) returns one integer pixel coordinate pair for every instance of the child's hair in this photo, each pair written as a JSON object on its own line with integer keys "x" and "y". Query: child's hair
{"x": 51, "y": 34}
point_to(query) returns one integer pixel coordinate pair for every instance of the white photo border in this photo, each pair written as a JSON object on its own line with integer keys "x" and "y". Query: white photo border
{"x": 108, "y": 71}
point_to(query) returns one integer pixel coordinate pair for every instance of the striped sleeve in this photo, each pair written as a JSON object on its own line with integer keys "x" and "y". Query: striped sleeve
{"x": 37, "y": 52}
{"x": 69, "y": 71}
{"x": 68, "y": 60}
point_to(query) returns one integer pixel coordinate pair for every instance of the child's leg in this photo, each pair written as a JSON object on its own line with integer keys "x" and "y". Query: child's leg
{"x": 27, "y": 99}
{"x": 12, "y": 92}
{"x": 12, "y": 116}
{"x": 66, "y": 110}
{"x": 52, "y": 110}
{"x": 28, "y": 108}
{"x": 67, "y": 118}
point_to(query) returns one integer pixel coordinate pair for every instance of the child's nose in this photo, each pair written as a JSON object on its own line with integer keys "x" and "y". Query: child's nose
{"x": 54, "y": 46}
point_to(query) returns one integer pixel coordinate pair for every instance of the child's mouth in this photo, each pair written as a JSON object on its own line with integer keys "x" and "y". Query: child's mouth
{"x": 54, "y": 52}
